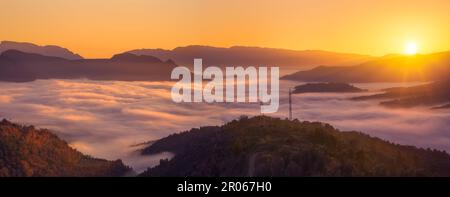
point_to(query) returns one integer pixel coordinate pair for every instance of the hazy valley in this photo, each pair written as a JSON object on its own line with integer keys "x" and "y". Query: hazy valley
{"x": 108, "y": 107}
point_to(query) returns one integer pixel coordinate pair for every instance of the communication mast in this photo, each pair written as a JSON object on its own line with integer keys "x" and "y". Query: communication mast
{"x": 290, "y": 104}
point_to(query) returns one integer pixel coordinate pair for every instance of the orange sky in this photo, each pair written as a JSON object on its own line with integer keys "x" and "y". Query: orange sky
{"x": 100, "y": 28}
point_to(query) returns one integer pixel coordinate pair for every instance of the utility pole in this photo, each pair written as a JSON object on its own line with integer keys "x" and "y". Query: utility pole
{"x": 290, "y": 104}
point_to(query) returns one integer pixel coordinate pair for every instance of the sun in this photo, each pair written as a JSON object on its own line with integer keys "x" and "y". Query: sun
{"x": 410, "y": 48}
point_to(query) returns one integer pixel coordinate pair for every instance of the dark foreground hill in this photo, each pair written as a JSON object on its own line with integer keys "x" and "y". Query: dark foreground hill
{"x": 26, "y": 151}
{"x": 264, "y": 146}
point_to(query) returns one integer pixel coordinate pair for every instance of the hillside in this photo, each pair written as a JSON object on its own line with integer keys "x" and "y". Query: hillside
{"x": 326, "y": 87}
{"x": 49, "y": 50}
{"x": 18, "y": 66}
{"x": 264, "y": 146}
{"x": 429, "y": 67}
{"x": 435, "y": 95}
{"x": 287, "y": 60}
{"x": 26, "y": 151}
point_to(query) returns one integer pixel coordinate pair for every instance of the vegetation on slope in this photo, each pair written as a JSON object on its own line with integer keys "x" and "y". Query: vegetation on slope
{"x": 265, "y": 146}
{"x": 26, "y": 151}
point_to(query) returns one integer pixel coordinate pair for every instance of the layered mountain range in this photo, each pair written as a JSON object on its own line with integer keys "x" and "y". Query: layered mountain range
{"x": 396, "y": 68}
{"x": 18, "y": 66}
{"x": 27, "y": 62}
{"x": 22, "y": 62}
{"x": 287, "y": 60}
{"x": 48, "y": 50}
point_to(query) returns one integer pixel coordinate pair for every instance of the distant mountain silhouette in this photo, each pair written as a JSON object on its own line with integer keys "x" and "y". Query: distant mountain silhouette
{"x": 265, "y": 146}
{"x": 326, "y": 87}
{"x": 27, "y": 151}
{"x": 393, "y": 68}
{"x": 435, "y": 95}
{"x": 447, "y": 106}
{"x": 287, "y": 60}
{"x": 49, "y": 50}
{"x": 19, "y": 66}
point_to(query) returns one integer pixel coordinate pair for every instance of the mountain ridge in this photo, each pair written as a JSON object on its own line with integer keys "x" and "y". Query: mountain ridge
{"x": 420, "y": 67}
{"x": 288, "y": 60}
{"x": 435, "y": 95}
{"x": 47, "y": 50}
{"x": 18, "y": 66}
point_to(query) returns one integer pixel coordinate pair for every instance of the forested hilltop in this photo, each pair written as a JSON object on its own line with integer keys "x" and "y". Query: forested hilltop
{"x": 26, "y": 151}
{"x": 265, "y": 146}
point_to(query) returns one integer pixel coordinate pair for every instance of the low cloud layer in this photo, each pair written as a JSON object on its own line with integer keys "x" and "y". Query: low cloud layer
{"x": 106, "y": 118}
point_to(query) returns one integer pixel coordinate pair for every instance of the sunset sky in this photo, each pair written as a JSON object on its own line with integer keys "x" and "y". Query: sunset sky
{"x": 101, "y": 28}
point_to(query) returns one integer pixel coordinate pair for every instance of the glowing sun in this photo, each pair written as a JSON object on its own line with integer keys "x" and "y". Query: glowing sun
{"x": 410, "y": 48}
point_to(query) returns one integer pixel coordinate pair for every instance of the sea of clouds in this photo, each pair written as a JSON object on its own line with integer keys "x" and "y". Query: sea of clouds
{"x": 108, "y": 118}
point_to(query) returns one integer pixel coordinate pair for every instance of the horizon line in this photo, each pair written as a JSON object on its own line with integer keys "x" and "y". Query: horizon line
{"x": 221, "y": 47}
